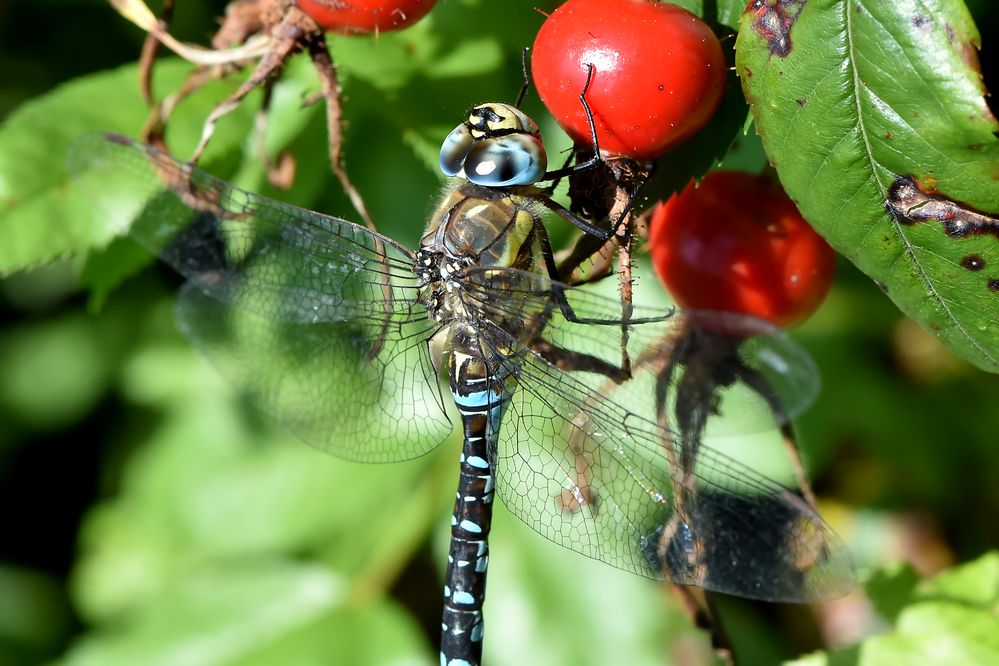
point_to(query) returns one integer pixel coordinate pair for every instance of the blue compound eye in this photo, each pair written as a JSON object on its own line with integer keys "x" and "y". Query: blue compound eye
{"x": 515, "y": 159}
{"x": 497, "y": 146}
{"x": 454, "y": 149}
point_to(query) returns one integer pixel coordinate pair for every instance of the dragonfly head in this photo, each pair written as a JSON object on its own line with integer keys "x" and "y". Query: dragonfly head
{"x": 497, "y": 146}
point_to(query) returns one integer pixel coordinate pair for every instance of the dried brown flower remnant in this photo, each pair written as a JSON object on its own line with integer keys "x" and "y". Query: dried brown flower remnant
{"x": 265, "y": 32}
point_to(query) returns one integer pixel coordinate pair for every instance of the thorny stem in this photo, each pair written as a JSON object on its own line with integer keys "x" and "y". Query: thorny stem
{"x": 330, "y": 84}
{"x": 150, "y": 46}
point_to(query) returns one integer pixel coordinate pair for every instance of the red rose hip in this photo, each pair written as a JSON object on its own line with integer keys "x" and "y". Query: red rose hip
{"x": 658, "y": 73}
{"x": 737, "y": 243}
{"x": 366, "y": 15}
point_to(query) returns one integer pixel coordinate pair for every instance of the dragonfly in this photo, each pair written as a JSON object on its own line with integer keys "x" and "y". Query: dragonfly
{"x": 348, "y": 338}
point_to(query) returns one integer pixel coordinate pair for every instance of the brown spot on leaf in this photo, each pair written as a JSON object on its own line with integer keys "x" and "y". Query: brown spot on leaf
{"x": 889, "y": 135}
{"x": 746, "y": 72}
{"x": 973, "y": 262}
{"x": 910, "y": 204}
{"x": 922, "y": 21}
{"x": 773, "y": 22}
{"x": 969, "y": 54}
{"x": 993, "y": 284}
{"x": 800, "y": 101}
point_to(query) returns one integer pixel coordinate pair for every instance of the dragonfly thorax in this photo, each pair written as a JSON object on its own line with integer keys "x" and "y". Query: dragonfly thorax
{"x": 439, "y": 282}
{"x": 473, "y": 228}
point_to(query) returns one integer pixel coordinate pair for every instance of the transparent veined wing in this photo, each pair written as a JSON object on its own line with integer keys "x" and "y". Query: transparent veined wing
{"x": 592, "y": 464}
{"x": 760, "y": 376}
{"x": 317, "y": 318}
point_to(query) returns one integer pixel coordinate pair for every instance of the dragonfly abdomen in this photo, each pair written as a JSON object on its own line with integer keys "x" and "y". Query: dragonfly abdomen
{"x": 481, "y": 400}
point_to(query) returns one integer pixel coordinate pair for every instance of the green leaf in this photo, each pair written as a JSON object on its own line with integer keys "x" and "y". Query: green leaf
{"x": 692, "y": 6}
{"x": 854, "y": 97}
{"x": 937, "y": 633}
{"x": 379, "y": 633}
{"x": 34, "y": 615}
{"x": 891, "y": 590}
{"x": 42, "y": 218}
{"x": 33, "y": 182}
{"x": 975, "y": 583}
{"x": 215, "y": 481}
{"x": 105, "y": 268}
{"x": 66, "y": 357}
{"x": 729, "y": 12}
{"x": 253, "y": 613}
{"x": 952, "y": 618}
{"x": 394, "y": 59}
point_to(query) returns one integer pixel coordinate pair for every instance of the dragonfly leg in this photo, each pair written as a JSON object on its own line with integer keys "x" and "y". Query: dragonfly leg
{"x": 569, "y": 360}
{"x": 586, "y": 248}
{"x": 624, "y": 179}
{"x": 759, "y": 383}
{"x": 595, "y": 158}
{"x": 527, "y": 78}
{"x": 565, "y": 307}
{"x": 706, "y": 618}
{"x": 570, "y": 217}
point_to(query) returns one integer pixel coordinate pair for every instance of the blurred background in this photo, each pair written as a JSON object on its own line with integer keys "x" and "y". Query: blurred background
{"x": 151, "y": 517}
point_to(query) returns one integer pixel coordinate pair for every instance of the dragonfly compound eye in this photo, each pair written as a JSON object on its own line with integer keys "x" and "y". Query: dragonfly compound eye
{"x": 515, "y": 159}
{"x": 454, "y": 149}
{"x": 497, "y": 146}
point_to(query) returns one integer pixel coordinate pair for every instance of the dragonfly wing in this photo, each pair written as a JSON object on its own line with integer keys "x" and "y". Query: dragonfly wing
{"x": 316, "y": 318}
{"x": 355, "y": 389}
{"x": 280, "y": 260}
{"x": 737, "y": 532}
{"x": 598, "y": 475}
{"x": 762, "y": 376}
{"x": 759, "y": 376}
{"x": 590, "y": 463}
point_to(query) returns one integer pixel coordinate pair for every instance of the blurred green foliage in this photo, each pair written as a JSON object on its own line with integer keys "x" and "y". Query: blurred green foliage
{"x": 153, "y": 518}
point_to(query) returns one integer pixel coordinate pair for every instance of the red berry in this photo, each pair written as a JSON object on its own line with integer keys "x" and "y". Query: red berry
{"x": 659, "y": 72}
{"x": 366, "y": 15}
{"x": 737, "y": 243}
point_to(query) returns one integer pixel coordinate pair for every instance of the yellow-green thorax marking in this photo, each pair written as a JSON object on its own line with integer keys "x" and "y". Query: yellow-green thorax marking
{"x": 480, "y": 227}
